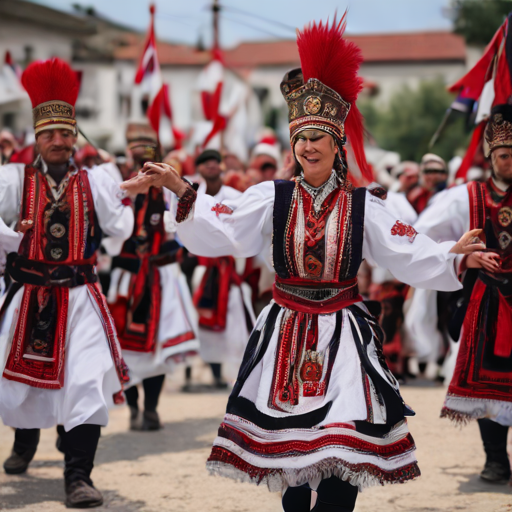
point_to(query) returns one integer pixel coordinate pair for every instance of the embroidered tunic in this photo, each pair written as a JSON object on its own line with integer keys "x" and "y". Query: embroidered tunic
{"x": 60, "y": 363}
{"x": 314, "y": 396}
{"x": 481, "y": 386}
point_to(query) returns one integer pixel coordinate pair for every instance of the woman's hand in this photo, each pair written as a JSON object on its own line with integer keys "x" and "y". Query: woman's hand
{"x": 468, "y": 243}
{"x": 155, "y": 175}
{"x": 489, "y": 261}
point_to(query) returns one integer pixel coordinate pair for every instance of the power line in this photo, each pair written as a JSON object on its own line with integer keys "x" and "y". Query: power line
{"x": 262, "y": 18}
{"x": 250, "y": 25}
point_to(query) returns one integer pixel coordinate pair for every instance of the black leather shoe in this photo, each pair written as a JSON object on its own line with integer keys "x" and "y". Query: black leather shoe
{"x": 135, "y": 419}
{"x": 79, "y": 494}
{"x": 151, "y": 421}
{"x": 495, "y": 473}
{"x": 17, "y": 464}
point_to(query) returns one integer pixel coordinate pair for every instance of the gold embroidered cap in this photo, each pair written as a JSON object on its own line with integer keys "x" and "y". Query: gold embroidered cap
{"x": 53, "y": 89}
{"x": 313, "y": 105}
{"x": 498, "y": 132}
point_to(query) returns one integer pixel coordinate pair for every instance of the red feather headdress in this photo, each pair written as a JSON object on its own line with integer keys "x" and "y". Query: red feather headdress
{"x": 53, "y": 89}
{"x": 330, "y": 85}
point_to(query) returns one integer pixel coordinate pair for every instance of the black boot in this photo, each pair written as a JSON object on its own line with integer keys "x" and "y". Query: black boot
{"x": 132, "y": 399}
{"x": 81, "y": 443}
{"x": 23, "y": 451}
{"x": 152, "y": 390}
{"x": 497, "y": 464}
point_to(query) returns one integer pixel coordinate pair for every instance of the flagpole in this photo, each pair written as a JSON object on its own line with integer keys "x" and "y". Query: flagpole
{"x": 216, "y": 47}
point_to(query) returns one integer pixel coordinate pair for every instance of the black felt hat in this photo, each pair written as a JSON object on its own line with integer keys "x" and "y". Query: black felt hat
{"x": 208, "y": 154}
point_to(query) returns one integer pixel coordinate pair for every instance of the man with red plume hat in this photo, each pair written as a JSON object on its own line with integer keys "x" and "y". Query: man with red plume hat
{"x": 481, "y": 386}
{"x": 314, "y": 406}
{"x": 59, "y": 355}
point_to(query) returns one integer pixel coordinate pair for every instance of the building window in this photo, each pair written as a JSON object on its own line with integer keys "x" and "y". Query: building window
{"x": 8, "y": 120}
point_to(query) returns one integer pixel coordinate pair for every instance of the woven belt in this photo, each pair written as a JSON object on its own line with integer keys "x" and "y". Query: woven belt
{"x": 25, "y": 271}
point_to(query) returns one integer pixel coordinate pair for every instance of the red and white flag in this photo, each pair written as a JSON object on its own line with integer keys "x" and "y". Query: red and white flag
{"x": 149, "y": 78}
{"x": 210, "y": 84}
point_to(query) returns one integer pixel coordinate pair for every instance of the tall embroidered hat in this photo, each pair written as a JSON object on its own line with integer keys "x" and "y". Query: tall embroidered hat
{"x": 53, "y": 89}
{"x": 498, "y": 132}
{"x": 142, "y": 136}
{"x": 321, "y": 94}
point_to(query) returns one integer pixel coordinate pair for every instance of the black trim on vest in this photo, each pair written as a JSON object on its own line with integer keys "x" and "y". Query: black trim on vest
{"x": 282, "y": 203}
{"x": 358, "y": 209}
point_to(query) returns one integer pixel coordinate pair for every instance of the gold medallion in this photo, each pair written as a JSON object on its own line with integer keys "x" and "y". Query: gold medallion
{"x": 504, "y": 240}
{"x": 330, "y": 110}
{"x": 56, "y": 253}
{"x": 312, "y": 105}
{"x": 57, "y": 230}
{"x": 294, "y": 110}
{"x": 505, "y": 216}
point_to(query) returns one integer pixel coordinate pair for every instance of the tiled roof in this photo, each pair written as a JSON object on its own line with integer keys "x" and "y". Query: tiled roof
{"x": 376, "y": 48}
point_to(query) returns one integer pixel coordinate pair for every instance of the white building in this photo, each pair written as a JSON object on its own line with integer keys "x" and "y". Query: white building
{"x": 107, "y": 55}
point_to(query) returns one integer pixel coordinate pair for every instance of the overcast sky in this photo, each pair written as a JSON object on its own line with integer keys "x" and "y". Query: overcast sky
{"x": 242, "y": 20}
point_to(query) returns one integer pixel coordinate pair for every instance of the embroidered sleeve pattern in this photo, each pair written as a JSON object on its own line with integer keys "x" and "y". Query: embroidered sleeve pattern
{"x": 185, "y": 204}
{"x": 222, "y": 208}
{"x": 402, "y": 229}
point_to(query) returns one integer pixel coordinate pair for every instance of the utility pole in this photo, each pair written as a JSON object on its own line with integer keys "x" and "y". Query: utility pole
{"x": 216, "y": 11}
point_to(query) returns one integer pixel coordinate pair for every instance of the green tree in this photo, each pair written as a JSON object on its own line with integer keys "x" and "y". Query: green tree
{"x": 412, "y": 116}
{"x": 478, "y": 20}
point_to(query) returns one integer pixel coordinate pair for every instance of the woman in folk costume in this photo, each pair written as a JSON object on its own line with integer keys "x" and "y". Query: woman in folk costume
{"x": 59, "y": 354}
{"x": 148, "y": 294}
{"x": 314, "y": 406}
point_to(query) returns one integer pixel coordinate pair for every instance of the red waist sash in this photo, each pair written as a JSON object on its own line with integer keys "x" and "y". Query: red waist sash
{"x": 315, "y": 298}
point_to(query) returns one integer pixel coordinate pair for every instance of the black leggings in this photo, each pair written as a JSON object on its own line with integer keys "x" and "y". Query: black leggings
{"x": 152, "y": 389}
{"x": 334, "y": 495}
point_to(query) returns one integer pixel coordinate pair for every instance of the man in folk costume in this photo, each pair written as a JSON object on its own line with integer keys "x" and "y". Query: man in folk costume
{"x": 222, "y": 298}
{"x": 148, "y": 295}
{"x": 434, "y": 173}
{"x": 314, "y": 406}
{"x": 62, "y": 363}
{"x": 481, "y": 387}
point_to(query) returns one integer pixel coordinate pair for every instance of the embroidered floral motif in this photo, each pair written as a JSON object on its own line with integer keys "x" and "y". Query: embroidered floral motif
{"x": 222, "y": 208}
{"x": 185, "y": 204}
{"x": 402, "y": 229}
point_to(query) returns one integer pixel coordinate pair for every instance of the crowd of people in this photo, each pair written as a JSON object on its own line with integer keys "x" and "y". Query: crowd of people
{"x": 311, "y": 298}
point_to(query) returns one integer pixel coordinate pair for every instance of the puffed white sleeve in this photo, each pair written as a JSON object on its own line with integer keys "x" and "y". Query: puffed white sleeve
{"x": 11, "y": 186}
{"x": 447, "y": 216}
{"x": 115, "y": 218}
{"x": 240, "y": 227}
{"x": 9, "y": 242}
{"x": 411, "y": 257}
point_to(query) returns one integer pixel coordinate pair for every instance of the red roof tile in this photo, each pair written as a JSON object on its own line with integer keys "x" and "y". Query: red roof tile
{"x": 376, "y": 48}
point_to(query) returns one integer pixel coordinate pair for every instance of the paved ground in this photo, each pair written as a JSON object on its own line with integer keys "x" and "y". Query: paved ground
{"x": 164, "y": 471}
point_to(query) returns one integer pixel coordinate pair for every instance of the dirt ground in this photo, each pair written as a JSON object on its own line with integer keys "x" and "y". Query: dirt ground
{"x": 165, "y": 471}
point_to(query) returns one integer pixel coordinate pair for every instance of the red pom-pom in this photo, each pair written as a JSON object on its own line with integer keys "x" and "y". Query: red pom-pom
{"x": 50, "y": 80}
{"x": 152, "y": 9}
